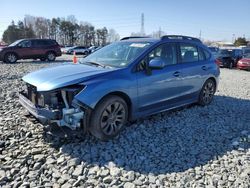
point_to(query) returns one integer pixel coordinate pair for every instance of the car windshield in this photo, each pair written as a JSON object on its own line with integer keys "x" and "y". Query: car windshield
{"x": 118, "y": 54}
{"x": 247, "y": 51}
{"x": 213, "y": 49}
{"x": 247, "y": 55}
{"x": 15, "y": 43}
{"x": 225, "y": 52}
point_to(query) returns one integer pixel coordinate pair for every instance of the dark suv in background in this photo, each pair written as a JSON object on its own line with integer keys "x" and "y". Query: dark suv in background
{"x": 43, "y": 49}
{"x": 229, "y": 57}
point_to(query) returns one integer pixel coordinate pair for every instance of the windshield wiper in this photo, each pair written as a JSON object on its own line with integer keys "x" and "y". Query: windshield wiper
{"x": 97, "y": 64}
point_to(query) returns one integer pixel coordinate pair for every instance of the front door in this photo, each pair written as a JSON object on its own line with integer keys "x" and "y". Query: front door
{"x": 161, "y": 88}
{"x": 24, "y": 49}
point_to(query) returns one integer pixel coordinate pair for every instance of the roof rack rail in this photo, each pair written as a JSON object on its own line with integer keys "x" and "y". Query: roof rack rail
{"x": 180, "y": 37}
{"x": 133, "y": 37}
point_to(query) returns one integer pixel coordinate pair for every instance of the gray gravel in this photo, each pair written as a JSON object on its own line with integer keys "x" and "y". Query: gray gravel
{"x": 190, "y": 147}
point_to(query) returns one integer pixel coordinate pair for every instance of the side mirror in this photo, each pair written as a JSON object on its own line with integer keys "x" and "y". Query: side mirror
{"x": 156, "y": 63}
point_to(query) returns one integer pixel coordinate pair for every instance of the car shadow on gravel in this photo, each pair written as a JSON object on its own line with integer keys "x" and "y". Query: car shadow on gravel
{"x": 169, "y": 142}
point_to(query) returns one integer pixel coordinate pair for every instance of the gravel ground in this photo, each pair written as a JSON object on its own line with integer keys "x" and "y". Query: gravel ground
{"x": 190, "y": 147}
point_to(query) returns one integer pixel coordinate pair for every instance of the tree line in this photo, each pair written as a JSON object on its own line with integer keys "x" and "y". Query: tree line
{"x": 66, "y": 31}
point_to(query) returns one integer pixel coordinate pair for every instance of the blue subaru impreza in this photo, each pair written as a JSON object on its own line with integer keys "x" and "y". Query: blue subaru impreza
{"x": 123, "y": 81}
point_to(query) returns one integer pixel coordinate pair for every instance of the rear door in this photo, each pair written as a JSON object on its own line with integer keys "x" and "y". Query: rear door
{"x": 38, "y": 48}
{"x": 195, "y": 69}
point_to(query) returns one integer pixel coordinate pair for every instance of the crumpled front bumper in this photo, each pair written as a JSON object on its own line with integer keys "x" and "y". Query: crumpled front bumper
{"x": 42, "y": 114}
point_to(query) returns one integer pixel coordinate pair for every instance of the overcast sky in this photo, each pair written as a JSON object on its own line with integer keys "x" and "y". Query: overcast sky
{"x": 216, "y": 19}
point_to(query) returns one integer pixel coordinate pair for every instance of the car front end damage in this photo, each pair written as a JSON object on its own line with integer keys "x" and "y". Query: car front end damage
{"x": 56, "y": 106}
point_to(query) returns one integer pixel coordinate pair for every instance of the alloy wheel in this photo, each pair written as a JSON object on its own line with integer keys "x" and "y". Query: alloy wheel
{"x": 113, "y": 118}
{"x": 208, "y": 92}
{"x": 51, "y": 57}
{"x": 11, "y": 58}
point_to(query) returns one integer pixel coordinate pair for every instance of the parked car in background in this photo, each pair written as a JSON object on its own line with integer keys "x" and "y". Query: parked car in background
{"x": 244, "y": 63}
{"x": 79, "y": 50}
{"x": 64, "y": 49}
{"x": 43, "y": 49}
{"x": 98, "y": 48}
{"x": 2, "y": 46}
{"x": 122, "y": 81}
{"x": 246, "y": 50}
{"x": 214, "y": 50}
{"x": 229, "y": 57}
{"x": 92, "y": 49}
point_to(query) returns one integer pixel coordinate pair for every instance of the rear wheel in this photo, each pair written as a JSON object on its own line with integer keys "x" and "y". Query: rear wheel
{"x": 51, "y": 56}
{"x": 207, "y": 93}
{"x": 10, "y": 58}
{"x": 109, "y": 118}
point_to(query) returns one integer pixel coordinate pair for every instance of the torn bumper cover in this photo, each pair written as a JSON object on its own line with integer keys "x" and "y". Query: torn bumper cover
{"x": 42, "y": 114}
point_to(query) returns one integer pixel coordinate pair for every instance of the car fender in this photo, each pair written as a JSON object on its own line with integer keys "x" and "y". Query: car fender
{"x": 94, "y": 91}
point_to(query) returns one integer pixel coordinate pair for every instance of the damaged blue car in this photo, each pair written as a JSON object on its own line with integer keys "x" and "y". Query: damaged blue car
{"x": 123, "y": 81}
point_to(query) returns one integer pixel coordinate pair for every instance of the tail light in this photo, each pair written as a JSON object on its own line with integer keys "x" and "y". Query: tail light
{"x": 217, "y": 62}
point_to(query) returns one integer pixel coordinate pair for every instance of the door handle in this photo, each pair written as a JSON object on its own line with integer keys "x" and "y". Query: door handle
{"x": 204, "y": 68}
{"x": 176, "y": 74}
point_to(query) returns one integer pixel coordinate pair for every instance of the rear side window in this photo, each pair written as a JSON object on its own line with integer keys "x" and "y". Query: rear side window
{"x": 43, "y": 43}
{"x": 203, "y": 54}
{"x": 189, "y": 53}
{"x": 207, "y": 54}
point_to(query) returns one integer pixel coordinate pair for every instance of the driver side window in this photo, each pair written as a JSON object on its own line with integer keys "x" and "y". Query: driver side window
{"x": 166, "y": 52}
{"x": 25, "y": 44}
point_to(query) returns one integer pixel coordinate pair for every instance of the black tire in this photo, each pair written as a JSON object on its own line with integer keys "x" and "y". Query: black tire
{"x": 108, "y": 118}
{"x": 10, "y": 58}
{"x": 207, "y": 93}
{"x": 51, "y": 56}
{"x": 230, "y": 65}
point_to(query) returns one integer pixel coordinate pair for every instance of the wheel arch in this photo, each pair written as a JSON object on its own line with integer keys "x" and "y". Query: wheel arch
{"x": 124, "y": 96}
{"x": 11, "y": 52}
{"x": 214, "y": 80}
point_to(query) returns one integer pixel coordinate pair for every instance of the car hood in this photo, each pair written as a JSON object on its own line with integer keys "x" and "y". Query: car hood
{"x": 63, "y": 75}
{"x": 245, "y": 60}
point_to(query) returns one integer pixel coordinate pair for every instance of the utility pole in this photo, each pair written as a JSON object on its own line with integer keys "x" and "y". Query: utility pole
{"x": 233, "y": 38}
{"x": 159, "y": 32}
{"x": 142, "y": 25}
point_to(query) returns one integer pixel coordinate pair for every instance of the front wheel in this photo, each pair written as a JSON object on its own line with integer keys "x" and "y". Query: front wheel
{"x": 10, "y": 58}
{"x": 109, "y": 118}
{"x": 207, "y": 93}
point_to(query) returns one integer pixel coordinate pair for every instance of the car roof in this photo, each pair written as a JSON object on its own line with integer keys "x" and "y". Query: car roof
{"x": 166, "y": 38}
{"x": 35, "y": 39}
{"x": 140, "y": 40}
